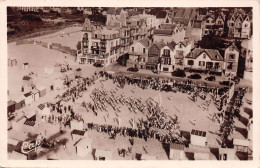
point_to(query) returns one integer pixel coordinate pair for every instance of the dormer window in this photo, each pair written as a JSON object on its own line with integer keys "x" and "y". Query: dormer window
{"x": 204, "y": 56}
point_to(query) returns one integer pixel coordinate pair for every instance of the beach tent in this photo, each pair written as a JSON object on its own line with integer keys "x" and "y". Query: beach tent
{"x": 176, "y": 151}
{"x": 48, "y": 70}
{"x": 78, "y": 125}
{"x": 201, "y": 156}
{"x": 19, "y": 103}
{"x": 103, "y": 155}
{"x": 12, "y": 62}
{"x": 43, "y": 110}
{"x": 36, "y": 94}
{"x": 28, "y": 98}
{"x": 198, "y": 137}
{"x": 17, "y": 156}
{"x": 76, "y": 135}
{"x": 25, "y": 66}
{"x": 226, "y": 154}
{"x": 42, "y": 91}
{"x": 147, "y": 157}
{"x": 27, "y": 80}
{"x": 83, "y": 147}
{"x": 10, "y": 106}
{"x": 241, "y": 145}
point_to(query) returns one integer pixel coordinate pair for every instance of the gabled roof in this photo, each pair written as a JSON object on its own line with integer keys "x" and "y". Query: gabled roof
{"x": 185, "y": 43}
{"x": 213, "y": 54}
{"x": 232, "y": 44}
{"x": 184, "y": 21}
{"x": 172, "y": 45}
{"x": 160, "y": 44}
{"x": 145, "y": 42}
{"x": 163, "y": 31}
{"x": 161, "y": 14}
{"x": 176, "y": 146}
{"x": 167, "y": 26}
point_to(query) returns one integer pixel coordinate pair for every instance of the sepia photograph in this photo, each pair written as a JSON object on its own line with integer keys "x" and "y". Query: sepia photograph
{"x": 129, "y": 83}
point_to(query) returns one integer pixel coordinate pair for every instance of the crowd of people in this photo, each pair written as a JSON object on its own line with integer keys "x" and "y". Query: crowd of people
{"x": 156, "y": 124}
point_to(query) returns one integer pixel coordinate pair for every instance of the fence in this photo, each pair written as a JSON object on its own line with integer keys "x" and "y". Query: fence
{"x": 54, "y": 46}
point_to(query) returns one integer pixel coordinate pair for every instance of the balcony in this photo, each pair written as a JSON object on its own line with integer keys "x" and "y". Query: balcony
{"x": 166, "y": 55}
{"x": 94, "y": 47}
{"x": 103, "y": 48}
{"x": 103, "y": 41}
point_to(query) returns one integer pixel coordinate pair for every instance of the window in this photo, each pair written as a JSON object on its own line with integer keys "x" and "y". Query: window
{"x": 143, "y": 59}
{"x": 245, "y": 25}
{"x": 229, "y": 65}
{"x": 144, "y": 50}
{"x": 207, "y": 21}
{"x": 232, "y": 24}
{"x": 219, "y": 22}
{"x": 84, "y": 44}
{"x": 201, "y": 63}
{"x": 95, "y": 35}
{"x": 116, "y": 43}
{"x": 190, "y": 62}
{"x": 165, "y": 69}
{"x": 166, "y": 52}
{"x": 231, "y": 49}
{"x": 179, "y": 45}
{"x": 133, "y": 49}
{"x": 204, "y": 56}
{"x": 231, "y": 56}
{"x": 111, "y": 44}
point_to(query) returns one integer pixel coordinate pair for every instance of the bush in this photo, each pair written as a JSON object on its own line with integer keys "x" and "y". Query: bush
{"x": 31, "y": 18}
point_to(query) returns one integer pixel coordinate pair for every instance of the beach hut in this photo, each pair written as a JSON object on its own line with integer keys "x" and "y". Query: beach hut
{"x": 10, "y": 106}
{"x": 36, "y": 94}
{"x": 226, "y": 154}
{"x": 25, "y": 66}
{"x": 43, "y": 110}
{"x": 17, "y": 156}
{"x": 241, "y": 145}
{"x": 28, "y": 98}
{"x": 19, "y": 103}
{"x": 12, "y": 62}
{"x": 77, "y": 125}
{"x": 76, "y": 135}
{"x": 103, "y": 155}
{"x": 201, "y": 156}
{"x": 198, "y": 137}
{"x": 83, "y": 147}
{"x": 27, "y": 80}
{"x": 78, "y": 72}
{"x": 176, "y": 151}
{"x": 42, "y": 91}
{"x": 48, "y": 70}
{"x": 147, "y": 157}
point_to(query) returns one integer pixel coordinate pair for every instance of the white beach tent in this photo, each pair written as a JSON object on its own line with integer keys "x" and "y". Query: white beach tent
{"x": 77, "y": 125}
{"x": 83, "y": 147}
{"x": 28, "y": 97}
{"x": 25, "y": 66}
{"x": 36, "y": 94}
{"x": 42, "y": 90}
